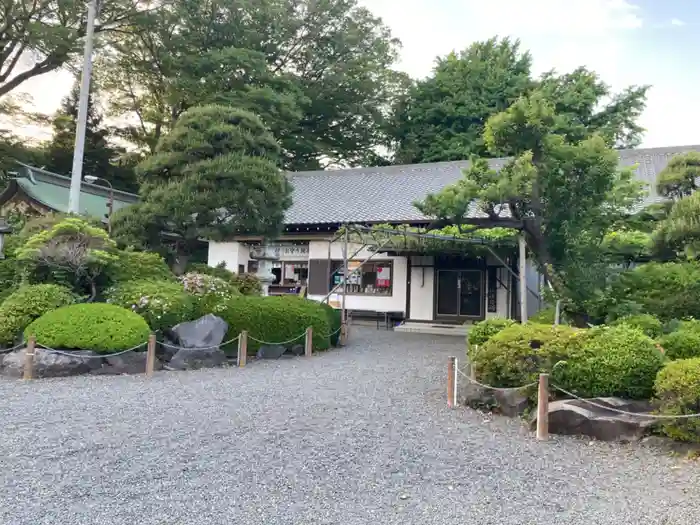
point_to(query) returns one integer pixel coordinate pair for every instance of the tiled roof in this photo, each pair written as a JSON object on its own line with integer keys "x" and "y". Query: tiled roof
{"x": 51, "y": 190}
{"x": 387, "y": 194}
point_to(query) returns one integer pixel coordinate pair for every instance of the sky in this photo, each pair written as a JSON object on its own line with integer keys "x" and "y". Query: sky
{"x": 627, "y": 42}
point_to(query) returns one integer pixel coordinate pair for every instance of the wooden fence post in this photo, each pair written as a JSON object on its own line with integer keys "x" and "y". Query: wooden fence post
{"x": 309, "y": 342}
{"x": 29, "y": 358}
{"x": 343, "y": 334}
{"x": 543, "y": 408}
{"x": 151, "y": 355}
{"x": 242, "y": 348}
{"x": 451, "y": 381}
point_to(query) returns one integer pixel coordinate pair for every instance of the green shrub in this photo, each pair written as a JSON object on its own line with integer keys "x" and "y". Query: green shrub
{"x": 677, "y": 391}
{"x": 28, "y": 303}
{"x": 335, "y": 320}
{"x": 484, "y": 330}
{"x": 612, "y": 361}
{"x": 682, "y": 344}
{"x": 664, "y": 290}
{"x": 247, "y": 283}
{"x": 518, "y": 354}
{"x": 104, "y": 328}
{"x": 647, "y": 323}
{"x": 275, "y": 320}
{"x": 9, "y": 277}
{"x": 545, "y": 316}
{"x": 217, "y": 271}
{"x": 138, "y": 266}
{"x": 163, "y": 304}
{"x": 211, "y": 293}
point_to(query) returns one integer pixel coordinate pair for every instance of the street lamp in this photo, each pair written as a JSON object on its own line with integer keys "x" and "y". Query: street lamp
{"x": 4, "y": 228}
{"x": 110, "y": 203}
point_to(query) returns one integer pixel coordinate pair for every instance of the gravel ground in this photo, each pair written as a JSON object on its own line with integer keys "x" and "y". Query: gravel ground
{"x": 354, "y": 436}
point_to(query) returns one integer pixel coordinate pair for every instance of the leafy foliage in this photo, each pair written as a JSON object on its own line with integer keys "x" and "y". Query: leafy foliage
{"x": 647, "y": 323}
{"x": 245, "y": 283}
{"x": 276, "y": 319}
{"x": 679, "y": 231}
{"x": 130, "y": 265}
{"x": 679, "y": 178}
{"x": 681, "y": 344}
{"x": 211, "y": 293}
{"x": 335, "y": 320}
{"x": 28, "y": 303}
{"x": 211, "y": 177}
{"x": 318, "y": 72}
{"x": 544, "y": 316}
{"x": 484, "y": 330}
{"x": 163, "y": 304}
{"x": 612, "y": 361}
{"x": 103, "y": 328}
{"x": 677, "y": 389}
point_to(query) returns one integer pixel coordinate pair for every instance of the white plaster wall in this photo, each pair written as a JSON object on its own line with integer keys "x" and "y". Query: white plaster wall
{"x": 501, "y": 295}
{"x": 396, "y": 302}
{"x": 230, "y": 253}
{"x": 422, "y": 294}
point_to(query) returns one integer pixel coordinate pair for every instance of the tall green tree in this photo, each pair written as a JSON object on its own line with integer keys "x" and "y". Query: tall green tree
{"x": 101, "y": 158}
{"x": 561, "y": 185}
{"x": 213, "y": 176}
{"x": 443, "y": 117}
{"x": 41, "y": 36}
{"x": 318, "y": 72}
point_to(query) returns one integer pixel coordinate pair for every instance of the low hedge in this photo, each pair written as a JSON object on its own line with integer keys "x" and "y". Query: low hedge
{"x": 335, "y": 320}
{"x": 484, "y": 330}
{"x": 27, "y": 303}
{"x": 544, "y": 316}
{"x": 275, "y": 320}
{"x": 677, "y": 392}
{"x": 163, "y": 304}
{"x": 611, "y": 361}
{"x": 210, "y": 293}
{"x": 518, "y": 354}
{"x": 682, "y": 344}
{"x": 101, "y": 327}
{"x": 647, "y": 323}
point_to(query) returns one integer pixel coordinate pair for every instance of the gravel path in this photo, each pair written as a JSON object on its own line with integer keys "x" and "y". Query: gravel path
{"x": 353, "y": 436}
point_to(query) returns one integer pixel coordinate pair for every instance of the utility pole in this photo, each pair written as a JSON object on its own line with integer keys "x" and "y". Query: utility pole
{"x": 81, "y": 125}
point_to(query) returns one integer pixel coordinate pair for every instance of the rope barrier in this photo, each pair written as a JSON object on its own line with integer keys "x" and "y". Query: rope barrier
{"x": 282, "y": 343}
{"x": 334, "y": 332}
{"x": 500, "y": 389}
{"x": 174, "y": 347}
{"x": 587, "y": 401}
{"x": 16, "y": 347}
{"x": 76, "y": 354}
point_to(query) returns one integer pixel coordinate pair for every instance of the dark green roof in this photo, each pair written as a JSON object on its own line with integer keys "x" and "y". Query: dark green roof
{"x": 51, "y": 190}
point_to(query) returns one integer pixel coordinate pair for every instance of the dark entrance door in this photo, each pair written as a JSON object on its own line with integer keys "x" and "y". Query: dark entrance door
{"x": 459, "y": 295}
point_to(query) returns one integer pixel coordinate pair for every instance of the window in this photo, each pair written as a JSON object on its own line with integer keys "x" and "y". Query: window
{"x": 290, "y": 273}
{"x": 373, "y": 278}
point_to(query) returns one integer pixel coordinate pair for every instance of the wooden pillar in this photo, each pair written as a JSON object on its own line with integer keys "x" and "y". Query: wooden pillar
{"x": 309, "y": 342}
{"x": 543, "y": 408}
{"x": 151, "y": 355}
{"x": 451, "y": 381}
{"x": 242, "y": 348}
{"x": 522, "y": 274}
{"x": 29, "y": 358}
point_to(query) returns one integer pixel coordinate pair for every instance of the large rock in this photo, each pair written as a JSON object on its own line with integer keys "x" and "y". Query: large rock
{"x": 206, "y": 332}
{"x": 271, "y": 352}
{"x": 49, "y": 364}
{"x": 575, "y": 417}
{"x": 129, "y": 363}
{"x": 195, "y": 358}
{"x": 508, "y": 402}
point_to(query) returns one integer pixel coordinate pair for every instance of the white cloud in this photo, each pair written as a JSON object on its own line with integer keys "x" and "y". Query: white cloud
{"x": 677, "y": 22}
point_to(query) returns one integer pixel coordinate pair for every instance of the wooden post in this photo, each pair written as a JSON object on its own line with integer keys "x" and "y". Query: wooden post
{"x": 242, "y": 348}
{"x": 343, "y": 334}
{"x": 29, "y": 358}
{"x": 451, "y": 381}
{"x": 522, "y": 271}
{"x": 309, "y": 342}
{"x": 151, "y": 355}
{"x": 543, "y": 408}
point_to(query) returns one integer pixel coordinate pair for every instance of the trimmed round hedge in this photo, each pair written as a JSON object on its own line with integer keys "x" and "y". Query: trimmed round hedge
{"x": 677, "y": 392}
{"x": 682, "y": 344}
{"x": 211, "y": 293}
{"x": 103, "y": 328}
{"x": 484, "y": 330}
{"x": 275, "y": 320}
{"x": 647, "y": 323}
{"x": 28, "y": 303}
{"x": 138, "y": 266}
{"x": 518, "y": 354}
{"x": 611, "y": 361}
{"x": 335, "y": 320}
{"x": 163, "y": 304}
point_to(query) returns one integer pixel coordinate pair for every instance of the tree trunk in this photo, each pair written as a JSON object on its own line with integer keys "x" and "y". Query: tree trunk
{"x": 180, "y": 264}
